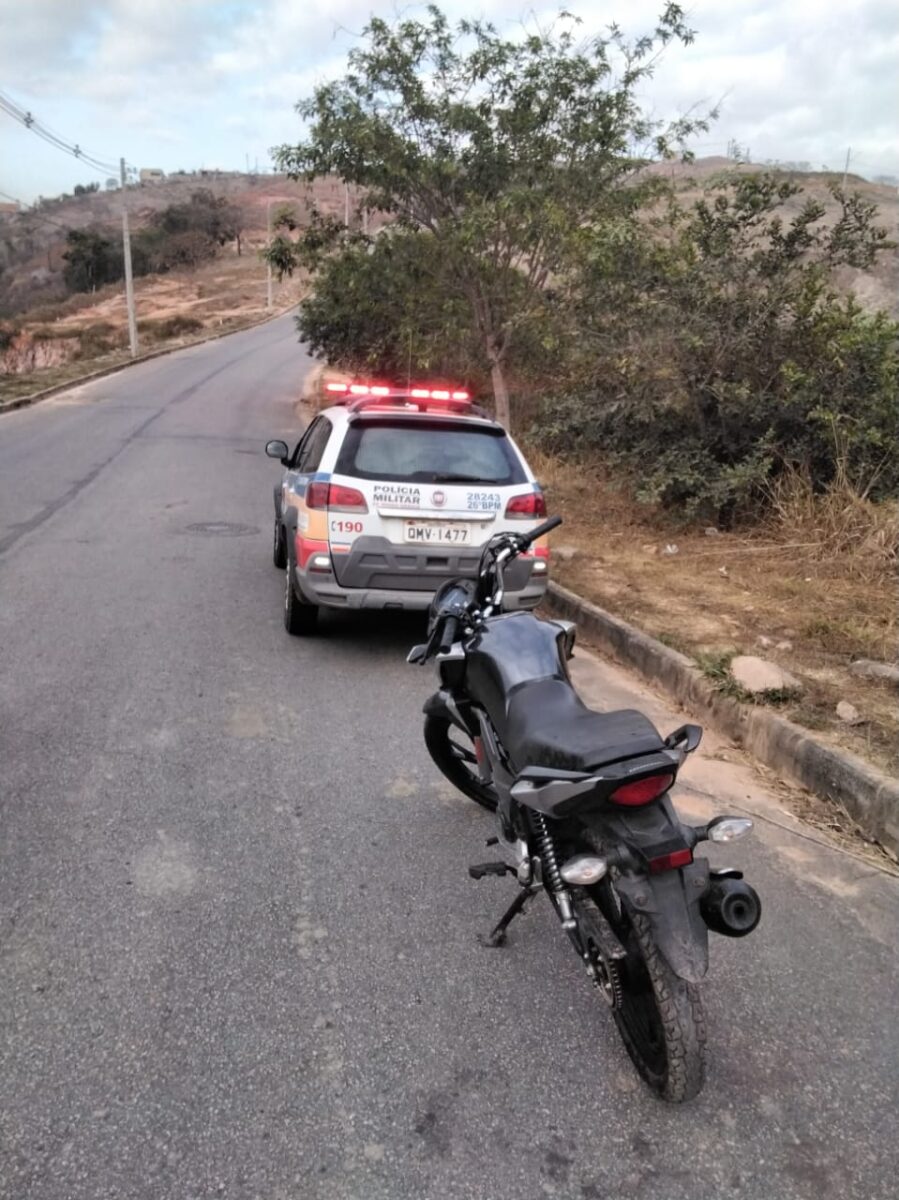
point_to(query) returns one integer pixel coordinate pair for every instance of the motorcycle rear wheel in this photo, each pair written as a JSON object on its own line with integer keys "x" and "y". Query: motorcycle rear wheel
{"x": 660, "y": 1016}
{"x": 454, "y": 756}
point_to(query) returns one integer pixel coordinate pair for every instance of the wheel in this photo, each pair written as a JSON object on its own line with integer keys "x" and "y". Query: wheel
{"x": 453, "y": 754}
{"x": 658, "y": 1014}
{"x": 300, "y": 618}
{"x": 279, "y": 546}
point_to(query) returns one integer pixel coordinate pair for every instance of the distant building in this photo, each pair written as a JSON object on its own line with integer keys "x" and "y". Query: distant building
{"x": 8, "y": 210}
{"x": 151, "y": 175}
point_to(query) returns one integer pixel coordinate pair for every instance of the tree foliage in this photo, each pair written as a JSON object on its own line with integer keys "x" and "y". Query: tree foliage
{"x": 381, "y": 308}
{"x": 179, "y": 236}
{"x": 91, "y": 258}
{"x": 712, "y": 350}
{"x": 494, "y": 147}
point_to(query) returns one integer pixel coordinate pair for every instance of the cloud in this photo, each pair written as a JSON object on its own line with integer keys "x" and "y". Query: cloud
{"x": 220, "y": 78}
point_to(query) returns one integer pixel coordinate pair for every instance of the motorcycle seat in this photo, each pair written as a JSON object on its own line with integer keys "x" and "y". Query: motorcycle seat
{"x": 547, "y": 724}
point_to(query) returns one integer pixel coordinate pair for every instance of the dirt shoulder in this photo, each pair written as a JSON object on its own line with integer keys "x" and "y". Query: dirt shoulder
{"x": 712, "y": 596}
{"x": 90, "y": 332}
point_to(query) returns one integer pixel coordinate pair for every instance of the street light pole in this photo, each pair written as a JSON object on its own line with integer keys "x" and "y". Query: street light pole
{"x": 129, "y": 281}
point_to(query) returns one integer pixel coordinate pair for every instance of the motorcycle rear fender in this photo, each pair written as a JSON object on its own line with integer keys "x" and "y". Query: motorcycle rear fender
{"x": 670, "y": 901}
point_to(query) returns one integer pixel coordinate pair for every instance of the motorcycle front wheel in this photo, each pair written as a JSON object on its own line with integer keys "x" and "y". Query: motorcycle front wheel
{"x": 658, "y": 1014}
{"x": 453, "y": 754}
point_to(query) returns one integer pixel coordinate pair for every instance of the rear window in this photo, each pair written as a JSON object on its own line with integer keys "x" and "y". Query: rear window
{"x": 431, "y": 452}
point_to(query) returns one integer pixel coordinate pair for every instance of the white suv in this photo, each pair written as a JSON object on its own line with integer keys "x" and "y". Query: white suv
{"x": 393, "y": 491}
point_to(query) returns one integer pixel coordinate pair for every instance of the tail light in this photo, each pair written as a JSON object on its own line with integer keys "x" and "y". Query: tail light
{"x": 335, "y": 497}
{"x": 642, "y": 791}
{"x": 527, "y": 506}
{"x": 345, "y": 499}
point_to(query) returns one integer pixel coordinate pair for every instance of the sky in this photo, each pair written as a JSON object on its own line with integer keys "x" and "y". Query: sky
{"x": 183, "y": 84}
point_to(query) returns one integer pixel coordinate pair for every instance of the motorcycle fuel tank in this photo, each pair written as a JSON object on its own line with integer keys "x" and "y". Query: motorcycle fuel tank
{"x": 508, "y": 651}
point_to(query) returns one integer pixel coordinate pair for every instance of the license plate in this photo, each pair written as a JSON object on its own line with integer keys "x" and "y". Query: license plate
{"x": 437, "y": 533}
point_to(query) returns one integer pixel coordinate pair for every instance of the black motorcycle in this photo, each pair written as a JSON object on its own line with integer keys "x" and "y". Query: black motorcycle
{"x": 584, "y": 808}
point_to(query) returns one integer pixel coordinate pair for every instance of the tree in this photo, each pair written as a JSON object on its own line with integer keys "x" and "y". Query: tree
{"x": 91, "y": 260}
{"x": 381, "y": 308}
{"x": 496, "y": 148}
{"x": 184, "y": 235}
{"x": 711, "y": 350}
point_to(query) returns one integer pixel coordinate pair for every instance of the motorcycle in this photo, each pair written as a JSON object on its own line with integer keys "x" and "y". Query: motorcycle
{"x": 584, "y": 810}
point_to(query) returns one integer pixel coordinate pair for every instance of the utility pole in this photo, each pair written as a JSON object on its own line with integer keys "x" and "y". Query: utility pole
{"x": 129, "y": 282}
{"x": 268, "y": 210}
{"x": 846, "y": 168}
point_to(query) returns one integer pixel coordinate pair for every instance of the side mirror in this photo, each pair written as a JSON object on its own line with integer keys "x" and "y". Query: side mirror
{"x": 278, "y": 449}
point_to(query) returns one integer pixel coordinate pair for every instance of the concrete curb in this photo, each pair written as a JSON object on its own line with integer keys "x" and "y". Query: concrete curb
{"x": 25, "y": 401}
{"x": 870, "y": 797}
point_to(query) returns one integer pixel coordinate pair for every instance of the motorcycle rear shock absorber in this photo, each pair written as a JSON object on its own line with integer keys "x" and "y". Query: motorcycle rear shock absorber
{"x": 552, "y": 876}
{"x": 546, "y": 847}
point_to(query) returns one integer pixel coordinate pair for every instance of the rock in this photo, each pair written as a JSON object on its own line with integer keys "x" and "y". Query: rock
{"x": 724, "y": 572}
{"x": 784, "y": 646}
{"x": 848, "y": 713}
{"x": 650, "y": 549}
{"x": 757, "y": 675}
{"x": 764, "y": 642}
{"x": 566, "y": 553}
{"x": 711, "y": 531}
{"x": 866, "y": 668}
{"x": 671, "y": 549}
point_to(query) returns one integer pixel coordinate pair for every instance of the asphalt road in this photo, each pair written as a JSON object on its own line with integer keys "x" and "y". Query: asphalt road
{"x": 238, "y": 945}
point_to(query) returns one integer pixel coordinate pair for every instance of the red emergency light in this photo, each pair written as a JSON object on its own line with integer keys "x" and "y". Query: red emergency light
{"x": 413, "y": 393}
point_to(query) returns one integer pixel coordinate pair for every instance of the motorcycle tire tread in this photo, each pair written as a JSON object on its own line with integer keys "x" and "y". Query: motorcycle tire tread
{"x": 437, "y": 742}
{"x": 680, "y": 1008}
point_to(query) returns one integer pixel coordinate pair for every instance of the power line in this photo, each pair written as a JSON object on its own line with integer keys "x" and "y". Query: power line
{"x": 30, "y": 122}
{"x": 9, "y": 106}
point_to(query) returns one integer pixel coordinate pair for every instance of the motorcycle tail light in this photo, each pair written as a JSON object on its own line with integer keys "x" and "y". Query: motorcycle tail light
{"x": 642, "y": 791}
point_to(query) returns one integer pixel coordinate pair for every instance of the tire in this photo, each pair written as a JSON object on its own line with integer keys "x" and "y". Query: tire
{"x": 660, "y": 1016}
{"x": 454, "y": 759}
{"x": 279, "y": 546}
{"x": 300, "y": 618}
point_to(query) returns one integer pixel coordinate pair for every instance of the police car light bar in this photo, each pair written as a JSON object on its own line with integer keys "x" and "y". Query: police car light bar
{"x": 413, "y": 393}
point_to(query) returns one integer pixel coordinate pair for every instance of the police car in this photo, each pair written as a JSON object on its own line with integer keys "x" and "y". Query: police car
{"x": 392, "y": 491}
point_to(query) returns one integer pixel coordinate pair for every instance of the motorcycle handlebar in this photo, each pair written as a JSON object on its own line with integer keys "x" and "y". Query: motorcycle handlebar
{"x": 448, "y": 634}
{"x": 546, "y": 527}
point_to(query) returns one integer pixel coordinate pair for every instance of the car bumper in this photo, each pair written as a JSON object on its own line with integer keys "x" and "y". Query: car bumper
{"x": 323, "y": 589}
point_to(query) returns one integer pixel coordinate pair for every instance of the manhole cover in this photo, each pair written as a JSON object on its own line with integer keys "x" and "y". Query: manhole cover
{"x": 221, "y": 529}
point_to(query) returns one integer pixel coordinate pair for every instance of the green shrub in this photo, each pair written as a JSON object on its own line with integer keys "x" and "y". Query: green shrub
{"x": 712, "y": 354}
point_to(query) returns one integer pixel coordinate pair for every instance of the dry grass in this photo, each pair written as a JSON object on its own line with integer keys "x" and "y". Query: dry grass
{"x": 839, "y": 524}
{"x": 175, "y": 308}
{"x": 816, "y": 581}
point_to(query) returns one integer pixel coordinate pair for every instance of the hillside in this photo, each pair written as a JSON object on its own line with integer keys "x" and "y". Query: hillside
{"x": 32, "y": 243}
{"x": 877, "y": 289}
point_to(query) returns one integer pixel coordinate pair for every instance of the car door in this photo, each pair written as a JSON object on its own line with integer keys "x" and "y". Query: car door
{"x": 293, "y": 483}
{"x": 311, "y": 523}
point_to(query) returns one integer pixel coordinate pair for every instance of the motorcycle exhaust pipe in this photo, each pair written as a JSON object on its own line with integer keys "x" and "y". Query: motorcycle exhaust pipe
{"x": 731, "y": 907}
